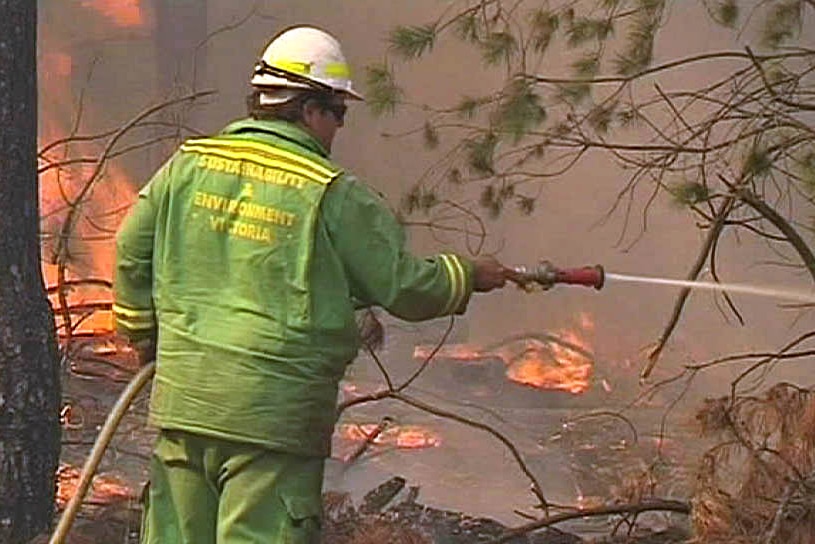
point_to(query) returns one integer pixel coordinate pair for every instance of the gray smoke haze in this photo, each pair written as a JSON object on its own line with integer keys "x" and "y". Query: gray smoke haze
{"x": 125, "y": 62}
{"x": 120, "y": 70}
{"x": 128, "y": 70}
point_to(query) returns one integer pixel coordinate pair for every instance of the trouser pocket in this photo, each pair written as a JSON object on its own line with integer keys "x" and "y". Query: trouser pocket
{"x": 305, "y": 519}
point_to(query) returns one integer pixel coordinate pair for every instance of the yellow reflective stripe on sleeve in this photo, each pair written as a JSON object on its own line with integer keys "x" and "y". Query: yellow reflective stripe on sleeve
{"x": 457, "y": 276}
{"x": 130, "y": 312}
{"x": 266, "y": 152}
{"x": 134, "y": 319}
{"x": 123, "y": 323}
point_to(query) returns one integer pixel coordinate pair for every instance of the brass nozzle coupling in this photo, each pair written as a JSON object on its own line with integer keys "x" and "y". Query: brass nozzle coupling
{"x": 546, "y": 275}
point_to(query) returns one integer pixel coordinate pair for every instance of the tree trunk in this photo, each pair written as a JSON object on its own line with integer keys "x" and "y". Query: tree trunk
{"x": 29, "y": 369}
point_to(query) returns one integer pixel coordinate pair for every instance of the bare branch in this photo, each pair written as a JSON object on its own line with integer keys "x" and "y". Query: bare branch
{"x": 795, "y": 239}
{"x": 716, "y": 229}
{"x": 665, "y": 505}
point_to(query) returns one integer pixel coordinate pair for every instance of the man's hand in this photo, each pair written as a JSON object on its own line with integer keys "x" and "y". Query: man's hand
{"x": 489, "y": 274}
{"x": 145, "y": 350}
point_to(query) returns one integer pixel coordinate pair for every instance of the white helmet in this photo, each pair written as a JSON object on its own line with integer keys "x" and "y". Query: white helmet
{"x": 304, "y": 57}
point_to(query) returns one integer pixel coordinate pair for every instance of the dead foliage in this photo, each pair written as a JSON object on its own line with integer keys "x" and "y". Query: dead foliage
{"x": 344, "y": 524}
{"x": 757, "y": 485}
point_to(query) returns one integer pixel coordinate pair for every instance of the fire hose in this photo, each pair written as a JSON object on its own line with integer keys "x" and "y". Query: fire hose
{"x": 142, "y": 377}
{"x": 545, "y": 276}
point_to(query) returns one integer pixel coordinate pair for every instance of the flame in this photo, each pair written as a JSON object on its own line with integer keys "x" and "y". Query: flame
{"x": 105, "y": 488}
{"x": 91, "y": 244}
{"x": 567, "y": 369}
{"x": 569, "y": 372}
{"x": 122, "y": 13}
{"x": 399, "y": 436}
{"x": 456, "y": 352}
{"x": 562, "y": 362}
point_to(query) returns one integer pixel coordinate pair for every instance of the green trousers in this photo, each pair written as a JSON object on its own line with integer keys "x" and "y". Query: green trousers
{"x": 209, "y": 491}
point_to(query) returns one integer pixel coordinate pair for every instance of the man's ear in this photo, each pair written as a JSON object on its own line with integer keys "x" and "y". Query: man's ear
{"x": 310, "y": 108}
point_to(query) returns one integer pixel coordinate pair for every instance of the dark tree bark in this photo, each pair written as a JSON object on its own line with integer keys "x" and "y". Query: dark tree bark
{"x": 29, "y": 368}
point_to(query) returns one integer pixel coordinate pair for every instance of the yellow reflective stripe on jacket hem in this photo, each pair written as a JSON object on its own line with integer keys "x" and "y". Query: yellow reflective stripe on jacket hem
{"x": 266, "y": 152}
{"x": 457, "y": 275}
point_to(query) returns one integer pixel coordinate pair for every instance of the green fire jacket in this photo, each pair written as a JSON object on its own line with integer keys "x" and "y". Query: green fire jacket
{"x": 247, "y": 254}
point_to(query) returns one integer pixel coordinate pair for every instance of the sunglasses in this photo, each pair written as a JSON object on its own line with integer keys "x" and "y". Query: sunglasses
{"x": 337, "y": 109}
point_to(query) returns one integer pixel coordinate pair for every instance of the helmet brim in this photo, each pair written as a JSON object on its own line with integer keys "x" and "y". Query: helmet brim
{"x": 352, "y": 94}
{"x": 265, "y": 83}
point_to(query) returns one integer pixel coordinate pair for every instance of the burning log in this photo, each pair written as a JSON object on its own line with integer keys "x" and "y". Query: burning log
{"x": 562, "y": 362}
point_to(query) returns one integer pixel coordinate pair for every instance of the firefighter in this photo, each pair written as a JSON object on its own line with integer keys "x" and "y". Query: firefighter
{"x": 240, "y": 268}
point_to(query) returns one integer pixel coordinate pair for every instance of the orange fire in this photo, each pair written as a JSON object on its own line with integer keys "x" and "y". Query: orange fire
{"x": 399, "y": 436}
{"x": 123, "y": 13}
{"x": 568, "y": 372}
{"x": 562, "y": 361}
{"x": 65, "y": 169}
{"x": 105, "y": 489}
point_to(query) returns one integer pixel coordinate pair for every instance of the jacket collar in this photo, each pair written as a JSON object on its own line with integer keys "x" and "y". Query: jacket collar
{"x": 282, "y": 129}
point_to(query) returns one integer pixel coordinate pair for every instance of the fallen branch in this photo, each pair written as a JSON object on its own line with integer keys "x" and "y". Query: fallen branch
{"x": 396, "y": 395}
{"x": 369, "y": 439}
{"x": 637, "y": 508}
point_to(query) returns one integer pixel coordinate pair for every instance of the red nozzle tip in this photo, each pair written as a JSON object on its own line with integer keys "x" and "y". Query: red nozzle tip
{"x": 590, "y": 276}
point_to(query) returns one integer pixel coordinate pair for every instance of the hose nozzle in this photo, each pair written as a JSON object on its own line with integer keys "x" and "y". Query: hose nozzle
{"x": 546, "y": 275}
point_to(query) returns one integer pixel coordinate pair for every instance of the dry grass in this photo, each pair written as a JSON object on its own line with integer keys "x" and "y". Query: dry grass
{"x": 380, "y": 531}
{"x": 343, "y": 524}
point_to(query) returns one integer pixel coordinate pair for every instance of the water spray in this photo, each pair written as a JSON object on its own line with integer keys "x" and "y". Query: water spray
{"x": 546, "y": 275}
{"x": 774, "y": 292}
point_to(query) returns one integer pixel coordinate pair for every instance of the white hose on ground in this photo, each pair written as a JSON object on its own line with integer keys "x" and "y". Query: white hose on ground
{"x": 142, "y": 377}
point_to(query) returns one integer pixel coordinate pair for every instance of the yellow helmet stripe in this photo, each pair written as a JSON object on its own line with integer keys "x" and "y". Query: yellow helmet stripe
{"x": 338, "y": 70}
{"x": 296, "y": 67}
{"x": 331, "y": 69}
{"x": 265, "y": 149}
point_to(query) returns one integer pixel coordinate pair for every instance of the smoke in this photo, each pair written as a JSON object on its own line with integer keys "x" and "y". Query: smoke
{"x": 121, "y": 63}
